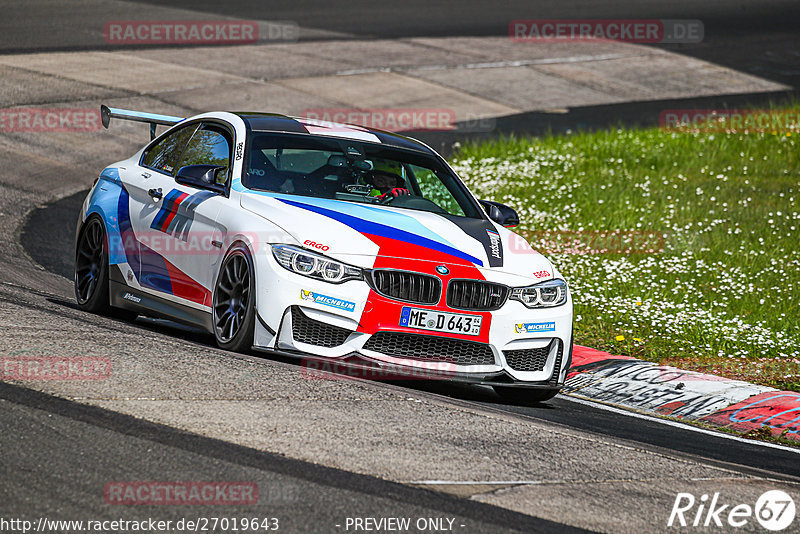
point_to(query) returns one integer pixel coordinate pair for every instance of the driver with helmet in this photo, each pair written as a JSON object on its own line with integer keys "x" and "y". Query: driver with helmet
{"x": 385, "y": 180}
{"x": 386, "y": 184}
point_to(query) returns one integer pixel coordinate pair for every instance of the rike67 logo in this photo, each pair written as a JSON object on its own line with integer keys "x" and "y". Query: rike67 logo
{"x": 774, "y": 510}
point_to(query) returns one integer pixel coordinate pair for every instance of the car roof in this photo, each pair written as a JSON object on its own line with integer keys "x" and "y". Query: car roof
{"x": 273, "y": 122}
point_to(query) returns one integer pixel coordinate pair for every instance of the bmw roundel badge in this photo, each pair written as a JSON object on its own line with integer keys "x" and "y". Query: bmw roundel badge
{"x": 442, "y": 269}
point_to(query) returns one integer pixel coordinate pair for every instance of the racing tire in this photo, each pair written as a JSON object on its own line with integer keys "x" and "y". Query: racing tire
{"x": 526, "y": 395}
{"x": 233, "y": 303}
{"x": 91, "y": 272}
{"x": 91, "y": 267}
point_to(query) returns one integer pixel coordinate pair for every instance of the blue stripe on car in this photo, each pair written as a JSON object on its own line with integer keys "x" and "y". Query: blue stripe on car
{"x": 145, "y": 262}
{"x": 371, "y": 227}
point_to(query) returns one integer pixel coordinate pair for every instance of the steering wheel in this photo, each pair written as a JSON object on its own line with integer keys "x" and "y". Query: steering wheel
{"x": 388, "y": 199}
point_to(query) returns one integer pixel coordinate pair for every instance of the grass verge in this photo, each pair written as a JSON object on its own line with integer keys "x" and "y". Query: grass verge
{"x": 680, "y": 248}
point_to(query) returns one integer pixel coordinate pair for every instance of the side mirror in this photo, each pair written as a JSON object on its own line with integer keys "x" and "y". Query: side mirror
{"x": 500, "y": 213}
{"x": 202, "y": 176}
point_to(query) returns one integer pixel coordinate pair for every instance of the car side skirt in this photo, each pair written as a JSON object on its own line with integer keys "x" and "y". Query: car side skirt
{"x": 123, "y": 296}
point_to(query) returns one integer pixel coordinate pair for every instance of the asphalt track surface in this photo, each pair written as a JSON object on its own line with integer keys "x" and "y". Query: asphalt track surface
{"x": 755, "y": 37}
{"x": 49, "y": 471}
{"x": 759, "y": 37}
{"x": 57, "y": 454}
{"x": 54, "y": 252}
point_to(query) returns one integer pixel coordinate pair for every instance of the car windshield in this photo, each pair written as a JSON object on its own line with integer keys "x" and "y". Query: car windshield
{"x": 347, "y": 170}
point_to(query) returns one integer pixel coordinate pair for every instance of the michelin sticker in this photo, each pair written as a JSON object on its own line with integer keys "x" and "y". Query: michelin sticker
{"x": 530, "y": 328}
{"x": 325, "y": 300}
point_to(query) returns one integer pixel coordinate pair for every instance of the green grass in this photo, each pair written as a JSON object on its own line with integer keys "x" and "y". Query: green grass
{"x": 721, "y": 292}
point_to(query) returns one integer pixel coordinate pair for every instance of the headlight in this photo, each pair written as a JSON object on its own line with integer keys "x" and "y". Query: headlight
{"x": 545, "y": 295}
{"x": 313, "y": 265}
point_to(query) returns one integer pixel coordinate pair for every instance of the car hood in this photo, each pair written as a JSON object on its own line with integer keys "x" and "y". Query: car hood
{"x": 361, "y": 234}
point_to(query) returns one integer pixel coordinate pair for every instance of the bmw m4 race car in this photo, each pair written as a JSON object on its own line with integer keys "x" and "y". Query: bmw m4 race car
{"x": 330, "y": 242}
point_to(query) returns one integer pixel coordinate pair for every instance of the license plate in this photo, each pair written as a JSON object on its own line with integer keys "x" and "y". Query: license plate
{"x": 441, "y": 321}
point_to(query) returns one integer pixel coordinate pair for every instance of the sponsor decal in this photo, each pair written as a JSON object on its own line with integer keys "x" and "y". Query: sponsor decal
{"x": 177, "y": 212}
{"x": 239, "y": 150}
{"x": 314, "y": 244}
{"x": 494, "y": 246}
{"x": 542, "y": 274}
{"x": 774, "y": 510}
{"x": 155, "y": 270}
{"x": 532, "y": 328}
{"x": 325, "y": 300}
{"x": 131, "y": 297}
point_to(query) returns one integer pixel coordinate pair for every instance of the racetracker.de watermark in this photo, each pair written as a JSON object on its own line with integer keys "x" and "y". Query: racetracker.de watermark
{"x": 729, "y": 121}
{"x": 586, "y": 242}
{"x": 197, "y": 32}
{"x": 178, "y": 239}
{"x": 166, "y": 493}
{"x": 54, "y": 368}
{"x": 625, "y": 30}
{"x": 50, "y": 120}
{"x": 396, "y": 119}
{"x": 312, "y": 369}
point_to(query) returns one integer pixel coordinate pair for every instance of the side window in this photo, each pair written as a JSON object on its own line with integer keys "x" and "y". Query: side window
{"x": 434, "y": 190}
{"x": 163, "y": 156}
{"x": 210, "y": 145}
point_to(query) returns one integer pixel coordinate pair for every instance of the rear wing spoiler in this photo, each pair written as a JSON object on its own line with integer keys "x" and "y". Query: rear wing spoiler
{"x": 107, "y": 113}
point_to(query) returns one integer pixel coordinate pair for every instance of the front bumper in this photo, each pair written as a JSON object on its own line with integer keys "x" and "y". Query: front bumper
{"x": 353, "y": 326}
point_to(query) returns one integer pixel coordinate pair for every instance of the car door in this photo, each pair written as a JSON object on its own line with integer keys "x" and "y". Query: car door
{"x": 181, "y": 242}
{"x": 143, "y": 194}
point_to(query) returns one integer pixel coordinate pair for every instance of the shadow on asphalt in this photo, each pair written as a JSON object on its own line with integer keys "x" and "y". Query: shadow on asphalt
{"x": 455, "y": 390}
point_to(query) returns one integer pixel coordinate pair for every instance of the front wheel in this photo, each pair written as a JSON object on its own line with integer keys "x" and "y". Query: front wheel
{"x": 526, "y": 395}
{"x": 234, "y": 302}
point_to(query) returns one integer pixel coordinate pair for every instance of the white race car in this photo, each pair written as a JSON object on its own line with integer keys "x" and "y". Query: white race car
{"x": 334, "y": 243}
